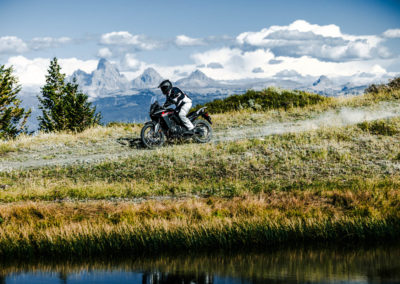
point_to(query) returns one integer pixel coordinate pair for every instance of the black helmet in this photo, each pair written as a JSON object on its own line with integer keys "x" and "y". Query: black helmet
{"x": 165, "y": 86}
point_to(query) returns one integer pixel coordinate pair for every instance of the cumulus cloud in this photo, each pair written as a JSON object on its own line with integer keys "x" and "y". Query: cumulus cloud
{"x": 183, "y": 40}
{"x": 181, "y": 74}
{"x": 131, "y": 63}
{"x": 326, "y": 42}
{"x": 32, "y": 72}
{"x": 275, "y": 61}
{"x": 294, "y": 50}
{"x": 123, "y": 38}
{"x": 214, "y": 65}
{"x": 236, "y": 62}
{"x": 239, "y": 64}
{"x": 12, "y": 45}
{"x": 258, "y": 70}
{"x": 15, "y": 45}
{"x": 69, "y": 65}
{"x": 392, "y": 33}
{"x": 104, "y": 53}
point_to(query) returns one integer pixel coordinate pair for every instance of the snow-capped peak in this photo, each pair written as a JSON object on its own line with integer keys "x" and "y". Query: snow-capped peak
{"x": 150, "y": 78}
{"x": 322, "y": 80}
{"x": 196, "y": 79}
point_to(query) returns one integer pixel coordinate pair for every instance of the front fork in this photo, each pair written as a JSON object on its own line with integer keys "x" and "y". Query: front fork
{"x": 157, "y": 127}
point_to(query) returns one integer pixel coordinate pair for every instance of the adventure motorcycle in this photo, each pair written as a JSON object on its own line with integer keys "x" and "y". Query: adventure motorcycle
{"x": 166, "y": 124}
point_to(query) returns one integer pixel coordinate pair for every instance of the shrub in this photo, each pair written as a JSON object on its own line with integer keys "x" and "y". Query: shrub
{"x": 271, "y": 98}
{"x": 379, "y": 127}
{"x": 392, "y": 85}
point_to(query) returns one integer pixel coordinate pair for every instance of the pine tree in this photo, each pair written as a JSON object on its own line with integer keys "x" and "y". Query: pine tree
{"x": 81, "y": 114}
{"x": 12, "y": 117}
{"x": 52, "y": 100}
{"x": 63, "y": 106}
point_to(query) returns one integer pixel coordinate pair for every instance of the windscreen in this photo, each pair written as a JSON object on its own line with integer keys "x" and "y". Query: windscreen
{"x": 153, "y": 100}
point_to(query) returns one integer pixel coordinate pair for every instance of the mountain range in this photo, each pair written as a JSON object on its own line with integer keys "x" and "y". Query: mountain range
{"x": 107, "y": 81}
{"x": 120, "y": 99}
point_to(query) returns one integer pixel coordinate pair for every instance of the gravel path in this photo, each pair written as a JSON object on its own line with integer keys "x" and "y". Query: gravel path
{"x": 115, "y": 148}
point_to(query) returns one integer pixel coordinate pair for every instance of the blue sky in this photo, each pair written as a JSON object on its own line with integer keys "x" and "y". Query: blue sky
{"x": 225, "y": 39}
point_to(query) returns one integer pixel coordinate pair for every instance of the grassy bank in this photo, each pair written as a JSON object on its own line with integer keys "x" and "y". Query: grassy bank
{"x": 261, "y": 221}
{"x": 336, "y": 184}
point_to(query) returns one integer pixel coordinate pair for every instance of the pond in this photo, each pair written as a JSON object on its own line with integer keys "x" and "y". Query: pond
{"x": 378, "y": 264}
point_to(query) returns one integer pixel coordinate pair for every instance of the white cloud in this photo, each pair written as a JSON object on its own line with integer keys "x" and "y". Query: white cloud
{"x": 297, "y": 49}
{"x": 12, "y": 45}
{"x": 104, "y": 53}
{"x": 69, "y": 65}
{"x": 38, "y": 43}
{"x": 240, "y": 64}
{"x": 288, "y": 74}
{"x": 257, "y": 70}
{"x": 124, "y": 38}
{"x": 214, "y": 65}
{"x": 29, "y": 72}
{"x": 237, "y": 63}
{"x": 131, "y": 63}
{"x": 15, "y": 45}
{"x": 301, "y": 38}
{"x": 32, "y": 72}
{"x": 392, "y": 33}
{"x": 183, "y": 40}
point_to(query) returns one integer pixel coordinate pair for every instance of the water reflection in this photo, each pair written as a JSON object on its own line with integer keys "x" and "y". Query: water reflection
{"x": 301, "y": 265}
{"x": 169, "y": 278}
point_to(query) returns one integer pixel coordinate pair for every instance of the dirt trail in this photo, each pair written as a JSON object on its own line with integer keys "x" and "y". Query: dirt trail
{"x": 333, "y": 118}
{"x": 114, "y": 148}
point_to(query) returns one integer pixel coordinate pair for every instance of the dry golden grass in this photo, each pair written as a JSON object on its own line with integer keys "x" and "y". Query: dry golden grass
{"x": 332, "y": 184}
{"x": 120, "y": 227}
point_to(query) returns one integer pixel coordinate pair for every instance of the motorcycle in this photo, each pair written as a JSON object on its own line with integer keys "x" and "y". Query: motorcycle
{"x": 166, "y": 124}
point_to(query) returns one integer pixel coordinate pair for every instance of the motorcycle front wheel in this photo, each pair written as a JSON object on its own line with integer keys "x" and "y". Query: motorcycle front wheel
{"x": 150, "y": 138}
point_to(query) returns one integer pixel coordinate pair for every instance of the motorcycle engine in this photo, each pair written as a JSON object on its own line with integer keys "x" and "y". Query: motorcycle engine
{"x": 176, "y": 130}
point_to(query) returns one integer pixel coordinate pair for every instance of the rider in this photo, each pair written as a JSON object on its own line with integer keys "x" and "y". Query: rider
{"x": 182, "y": 102}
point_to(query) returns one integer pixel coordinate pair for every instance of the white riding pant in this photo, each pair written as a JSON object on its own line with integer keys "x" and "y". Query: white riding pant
{"x": 183, "y": 112}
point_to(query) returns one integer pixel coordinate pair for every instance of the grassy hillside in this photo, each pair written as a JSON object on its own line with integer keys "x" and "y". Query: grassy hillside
{"x": 271, "y": 98}
{"x": 336, "y": 184}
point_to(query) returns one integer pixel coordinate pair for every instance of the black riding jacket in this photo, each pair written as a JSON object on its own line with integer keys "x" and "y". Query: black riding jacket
{"x": 177, "y": 97}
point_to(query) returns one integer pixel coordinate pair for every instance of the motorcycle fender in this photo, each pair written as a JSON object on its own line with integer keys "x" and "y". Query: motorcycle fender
{"x": 155, "y": 124}
{"x": 206, "y": 117}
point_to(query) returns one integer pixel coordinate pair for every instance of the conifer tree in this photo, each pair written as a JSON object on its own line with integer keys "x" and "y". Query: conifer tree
{"x": 62, "y": 105}
{"x": 52, "y": 101}
{"x": 81, "y": 114}
{"x": 12, "y": 117}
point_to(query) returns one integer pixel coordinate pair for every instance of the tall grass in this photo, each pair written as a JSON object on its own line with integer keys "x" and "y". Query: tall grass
{"x": 330, "y": 185}
{"x": 108, "y": 228}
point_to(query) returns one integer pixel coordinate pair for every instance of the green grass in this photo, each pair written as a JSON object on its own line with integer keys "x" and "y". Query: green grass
{"x": 347, "y": 157}
{"x": 271, "y": 98}
{"x": 380, "y": 127}
{"x": 330, "y": 185}
{"x": 6, "y": 148}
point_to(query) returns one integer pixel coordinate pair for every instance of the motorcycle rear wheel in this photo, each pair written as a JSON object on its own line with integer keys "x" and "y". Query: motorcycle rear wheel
{"x": 206, "y": 131}
{"x": 149, "y": 138}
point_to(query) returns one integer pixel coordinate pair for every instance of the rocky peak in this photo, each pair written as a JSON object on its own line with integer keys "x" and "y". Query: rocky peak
{"x": 150, "y": 78}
